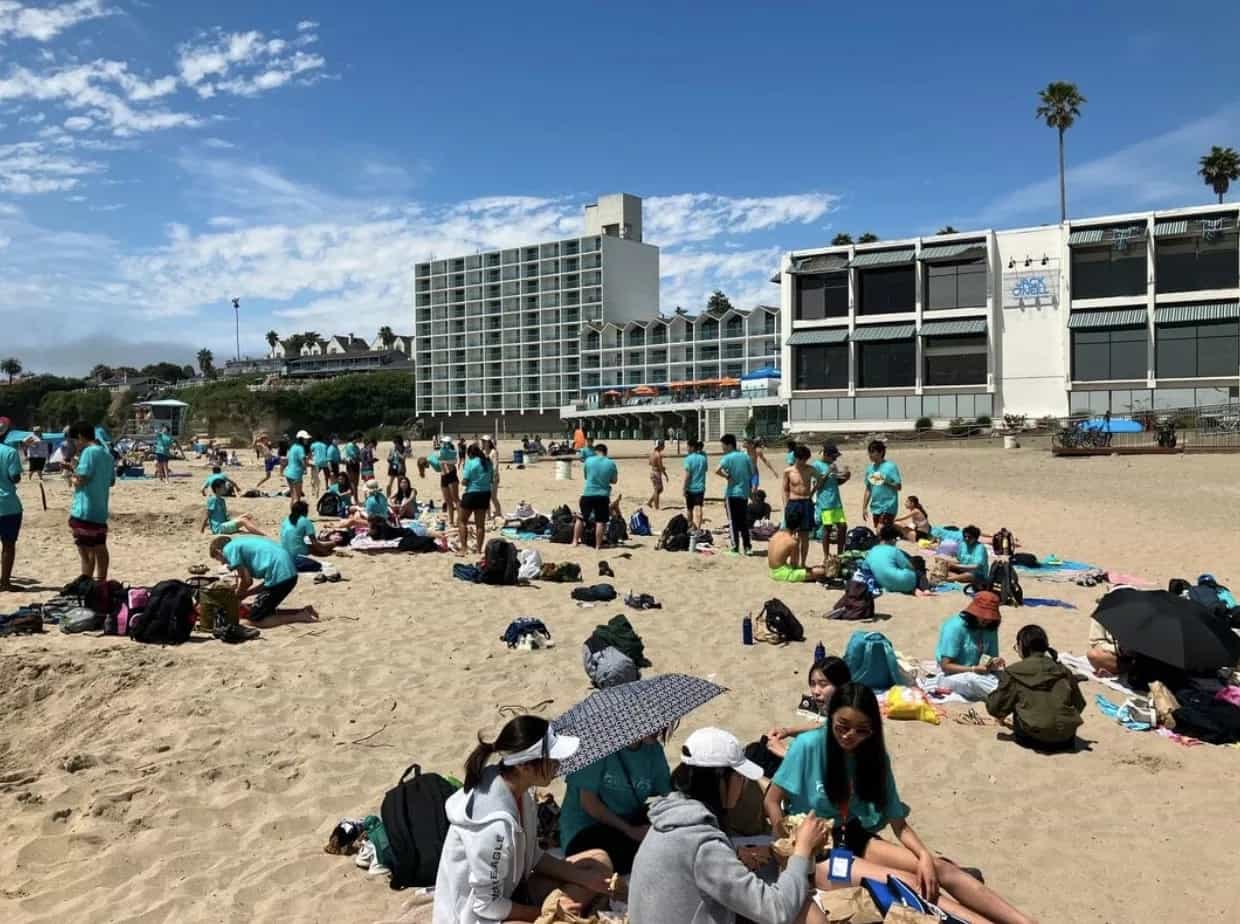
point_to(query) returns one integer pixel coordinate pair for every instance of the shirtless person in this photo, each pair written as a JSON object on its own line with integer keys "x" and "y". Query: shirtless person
{"x": 800, "y": 482}
{"x": 756, "y": 455}
{"x": 658, "y": 474}
{"x": 783, "y": 548}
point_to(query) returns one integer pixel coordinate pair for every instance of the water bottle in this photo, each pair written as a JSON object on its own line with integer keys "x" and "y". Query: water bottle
{"x": 747, "y": 630}
{"x": 819, "y": 652}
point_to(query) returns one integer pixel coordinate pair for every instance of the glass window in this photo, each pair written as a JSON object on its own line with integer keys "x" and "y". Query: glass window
{"x": 1189, "y": 351}
{"x": 820, "y": 296}
{"x": 886, "y": 365}
{"x": 956, "y": 285}
{"x": 1107, "y": 355}
{"x": 886, "y": 291}
{"x": 871, "y": 408}
{"x": 1108, "y": 272}
{"x": 955, "y": 360}
{"x": 1186, "y": 264}
{"x": 821, "y": 366}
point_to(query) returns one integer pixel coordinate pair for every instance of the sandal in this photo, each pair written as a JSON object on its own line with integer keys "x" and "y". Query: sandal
{"x": 970, "y": 718}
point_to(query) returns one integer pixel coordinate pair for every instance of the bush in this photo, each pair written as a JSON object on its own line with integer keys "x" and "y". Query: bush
{"x": 23, "y": 399}
{"x": 984, "y": 421}
{"x": 923, "y": 424}
{"x": 958, "y": 427}
{"x": 1014, "y": 421}
{"x": 61, "y": 408}
{"x": 1049, "y": 423}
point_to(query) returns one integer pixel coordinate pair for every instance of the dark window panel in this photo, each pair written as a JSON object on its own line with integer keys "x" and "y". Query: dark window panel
{"x": 820, "y": 366}
{"x": 1105, "y": 355}
{"x": 886, "y": 365}
{"x": 956, "y": 285}
{"x": 1188, "y": 351}
{"x": 886, "y": 291}
{"x": 1186, "y": 265}
{"x": 1108, "y": 272}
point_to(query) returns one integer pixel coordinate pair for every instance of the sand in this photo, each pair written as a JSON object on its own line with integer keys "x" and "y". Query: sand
{"x": 200, "y": 783}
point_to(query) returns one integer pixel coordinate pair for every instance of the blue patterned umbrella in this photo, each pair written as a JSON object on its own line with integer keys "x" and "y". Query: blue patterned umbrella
{"x": 610, "y": 720}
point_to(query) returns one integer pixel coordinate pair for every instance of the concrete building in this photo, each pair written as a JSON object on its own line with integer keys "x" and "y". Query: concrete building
{"x": 1123, "y": 313}
{"x": 499, "y": 333}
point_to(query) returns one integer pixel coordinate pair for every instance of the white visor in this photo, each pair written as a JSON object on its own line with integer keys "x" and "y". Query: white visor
{"x": 552, "y": 747}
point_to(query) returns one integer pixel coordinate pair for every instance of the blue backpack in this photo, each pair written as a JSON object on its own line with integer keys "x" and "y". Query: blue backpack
{"x": 639, "y": 524}
{"x": 872, "y": 660}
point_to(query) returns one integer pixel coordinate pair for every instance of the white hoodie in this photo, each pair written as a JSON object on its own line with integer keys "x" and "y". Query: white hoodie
{"x": 487, "y": 854}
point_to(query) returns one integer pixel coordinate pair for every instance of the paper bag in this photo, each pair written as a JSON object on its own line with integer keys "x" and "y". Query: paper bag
{"x": 1165, "y": 704}
{"x": 900, "y": 914}
{"x": 849, "y": 906}
{"x": 552, "y": 913}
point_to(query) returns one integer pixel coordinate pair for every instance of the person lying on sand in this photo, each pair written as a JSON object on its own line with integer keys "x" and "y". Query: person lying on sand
{"x": 783, "y": 552}
{"x": 265, "y": 571}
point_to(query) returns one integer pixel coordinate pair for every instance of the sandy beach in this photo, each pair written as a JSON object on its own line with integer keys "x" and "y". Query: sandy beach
{"x": 199, "y": 783}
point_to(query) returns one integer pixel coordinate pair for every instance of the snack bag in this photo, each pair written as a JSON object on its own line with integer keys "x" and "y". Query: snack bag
{"x": 910, "y": 703}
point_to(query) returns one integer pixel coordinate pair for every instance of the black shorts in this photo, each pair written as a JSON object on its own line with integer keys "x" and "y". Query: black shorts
{"x": 448, "y": 479}
{"x": 37, "y": 463}
{"x": 854, "y": 837}
{"x": 476, "y": 500}
{"x": 695, "y": 499}
{"x": 595, "y": 509}
{"x": 269, "y": 598}
{"x": 804, "y": 507}
{"x": 395, "y": 470}
{"x": 620, "y": 848}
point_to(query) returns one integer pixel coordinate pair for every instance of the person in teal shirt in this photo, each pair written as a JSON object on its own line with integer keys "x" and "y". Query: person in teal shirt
{"x": 164, "y": 444}
{"x": 295, "y": 466}
{"x": 298, "y": 538}
{"x": 10, "y": 507}
{"x": 595, "y": 505}
{"x": 217, "y": 476}
{"x": 828, "y": 505}
{"x": 969, "y": 640}
{"x": 218, "y": 520}
{"x": 266, "y": 571}
{"x": 843, "y": 772}
{"x": 972, "y": 560}
{"x": 605, "y": 804}
{"x": 696, "y": 465}
{"x": 894, "y": 570}
{"x": 477, "y": 477}
{"x": 882, "y": 487}
{"x": 318, "y": 465}
{"x": 333, "y": 455}
{"x": 353, "y": 460}
{"x": 737, "y": 468}
{"x": 88, "y": 514}
{"x": 376, "y": 503}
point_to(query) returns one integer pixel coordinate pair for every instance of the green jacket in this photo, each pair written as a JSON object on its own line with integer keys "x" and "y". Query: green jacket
{"x": 1042, "y": 696}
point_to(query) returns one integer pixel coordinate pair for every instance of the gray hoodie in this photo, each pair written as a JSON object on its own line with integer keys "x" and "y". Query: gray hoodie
{"x": 687, "y": 872}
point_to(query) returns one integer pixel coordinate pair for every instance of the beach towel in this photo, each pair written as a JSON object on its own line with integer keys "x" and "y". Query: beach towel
{"x": 1122, "y": 713}
{"x": 1080, "y": 665}
{"x": 1049, "y": 602}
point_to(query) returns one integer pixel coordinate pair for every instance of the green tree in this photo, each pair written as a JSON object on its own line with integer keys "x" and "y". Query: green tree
{"x": 12, "y": 367}
{"x": 841, "y": 239}
{"x": 1219, "y": 169}
{"x": 312, "y": 337}
{"x": 947, "y": 229}
{"x": 868, "y": 238}
{"x": 166, "y": 372}
{"x": 1060, "y": 107}
{"x": 387, "y": 337}
{"x": 718, "y": 302}
{"x": 101, "y": 372}
{"x": 272, "y": 339}
{"x": 187, "y": 372}
{"x": 293, "y": 345}
{"x": 23, "y": 397}
{"x": 60, "y": 408}
{"x": 206, "y": 363}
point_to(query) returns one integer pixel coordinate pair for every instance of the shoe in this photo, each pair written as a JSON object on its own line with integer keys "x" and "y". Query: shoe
{"x": 236, "y": 633}
{"x": 604, "y": 570}
{"x": 377, "y": 868}
{"x": 365, "y": 855}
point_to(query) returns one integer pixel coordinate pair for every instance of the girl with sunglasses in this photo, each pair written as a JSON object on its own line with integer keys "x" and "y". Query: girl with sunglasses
{"x": 842, "y": 772}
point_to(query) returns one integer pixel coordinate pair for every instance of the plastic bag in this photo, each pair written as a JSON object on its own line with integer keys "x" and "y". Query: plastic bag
{"x": 910, "y": 703}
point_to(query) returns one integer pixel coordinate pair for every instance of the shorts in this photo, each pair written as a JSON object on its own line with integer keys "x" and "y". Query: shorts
{"x": 656, "y": 480}
{"x": 695, "y": 499}
{"x": 293, "y": 482}
{"x": 804, "y": 508}
{"x": 834, "y": 517}
{"x": 449, "y": 479}
{"x": 789, "y": 574}
{"x": 270, "y": 465}
{"x": 36, "y": 464}
{"x": 227, "y": 528}
{"x": 88, "y": 535}
{"x": 268, "y": 600}
{"x": 595, "y": 509}
{"x": 10, "y": 526}
{"x": 160, "y": 457}
{"x": 853, "y": 837}
{"x": 620, "y": 848}
{"x": 476, "y": 500}
{"x": 306, "y": 564}
{"x": 883, "y": 519}
{"x": 396, "y": 470}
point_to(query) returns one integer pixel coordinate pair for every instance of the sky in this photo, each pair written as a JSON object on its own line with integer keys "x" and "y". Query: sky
{"x": 158, "y": 159}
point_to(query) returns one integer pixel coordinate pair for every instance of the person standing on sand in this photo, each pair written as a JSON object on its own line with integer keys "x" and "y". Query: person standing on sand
{"x": 828, "y": 506}
{"x": 164, "y": 444}
{"x": 595, "y": 505}
{"x": 492, "y": 453}
{"x": 10, "y": 507}
{"x": 882, "y": 488}
{"x": 696, "y": 465}
{"x": 800, "y": 483}
{"x": 88, "y": 516}
{"x": 295, "y": 467}
{"x": 476, "y": 476}
{"x": 333, "y": 455}
{"x": 37, "y": 451}
{"x": 737, "y": 468}
{"x": 753, "y": 448}
{"x": 353, "y": 460}
{"x": 658, "y": 474}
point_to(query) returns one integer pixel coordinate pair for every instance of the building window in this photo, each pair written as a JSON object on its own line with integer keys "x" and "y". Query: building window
{"x": 955, "y": 360}
{"x": 1198, "y": 351}
{"x": 1190, "y": 264}
{"x": 886, "y": 291}
{"x": 824, "y": 296}
{"x": 821, "y": 366}
{"x": 1109, "y": 272}
{"x": 1109, "y": 355}
{"x": 890, "y": 364}
{"x": 956, "y": 285}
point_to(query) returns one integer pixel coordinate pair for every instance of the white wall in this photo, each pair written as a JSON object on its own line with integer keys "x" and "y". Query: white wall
{"x": 630, "y": 280}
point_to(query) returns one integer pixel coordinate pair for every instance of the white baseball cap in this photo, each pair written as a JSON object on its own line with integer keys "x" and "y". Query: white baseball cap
{"x": 303, "y": 435}
{"x": 551, "y": 747}
{"x": 714, "y": 747}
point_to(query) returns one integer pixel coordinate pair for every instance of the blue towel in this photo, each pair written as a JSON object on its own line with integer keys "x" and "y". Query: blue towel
{"x": 948, "y": 587}
{"x": 1119, "y": 714}
{"x": 1048, "y": 601}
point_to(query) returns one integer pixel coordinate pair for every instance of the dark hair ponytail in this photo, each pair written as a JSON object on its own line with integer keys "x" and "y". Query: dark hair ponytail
{"x": 870, "y": 757}
{"x": 298, "y": 510}
{"x": 1031, "y": 640}
{"x": 703, "y": 784}
{"x": 519, "y": 734}
{"x": 916, "y": 502}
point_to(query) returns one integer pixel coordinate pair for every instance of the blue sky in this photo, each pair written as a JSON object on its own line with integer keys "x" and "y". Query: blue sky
{"x": 158, "y": 158}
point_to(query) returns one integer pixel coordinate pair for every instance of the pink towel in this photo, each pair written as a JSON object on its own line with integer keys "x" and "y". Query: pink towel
{"x": 1118, "y": 577}
{"x": 1229, "y": 695}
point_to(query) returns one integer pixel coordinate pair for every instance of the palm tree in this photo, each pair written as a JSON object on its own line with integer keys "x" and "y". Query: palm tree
{"x": 311, "y": 338}
{"x": 1060, "y": 107}
{"x": 206, "y": 362}
{"x": 868, "y": 238}
{"x": 947, "y": 229}
{"x": 272, "y": 339}
{"x": 11, "y": 367}
{"x": 386, "y": 337}
{"x": 1219, "y": 168}
{"x": 841, "y": 240}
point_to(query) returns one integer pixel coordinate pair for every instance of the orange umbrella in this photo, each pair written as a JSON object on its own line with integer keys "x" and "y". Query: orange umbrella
{"x": 611, "y": 394}
{"x": 645, "y": 390}
{"x": 729, "y": 381}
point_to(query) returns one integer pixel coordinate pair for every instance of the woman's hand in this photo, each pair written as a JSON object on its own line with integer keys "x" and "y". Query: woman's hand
{"x": 927, "y": 878}
{"x": 811, "y": 835}
{"x": 595, "y": 882}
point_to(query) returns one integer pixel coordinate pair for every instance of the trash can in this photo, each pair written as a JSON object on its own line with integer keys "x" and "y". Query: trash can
{"x": 563, "y": 469}
{"x": 518, "y": 457}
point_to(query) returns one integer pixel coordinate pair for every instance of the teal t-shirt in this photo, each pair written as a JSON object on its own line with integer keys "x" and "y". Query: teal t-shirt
{"x": 376, "y": 506}
{"x": 585, "y": 453}
{"x": 803, "y": 776}
{"x": 10, "y": 472}
{"x": 264, "y": 558}
{"x": 433, "y": 461}
{"x": 828, "y": 488}
{"x": 211, "y": 479}
{"x": 318, "y": 454}
{"x": 884, "y": 557}
{"x": 696, "y": 464}
{"x": 293, "y": 536}
{"x": 975, "y": 557}
{"x": 351, "y": 452}
{"x": 447, "y": 454}
{"x": 163, "y": 444}
{"x": 600, "y": 471}
{"x": 333, "y": 453}
{"x": 295, "y": 467}
{"x": 739, "y": 470}
{"x": 623, "y": 782}
{"x": 964, "y": 645}
{"x": 217, "y": 512}
{"x": 476, "y": 476}
{"x": 90, "y": 502}
{"x": 884, "y": 498}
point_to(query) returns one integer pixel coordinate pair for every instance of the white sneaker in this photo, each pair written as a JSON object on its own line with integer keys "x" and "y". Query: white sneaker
{"x": 365, "y": 855}
{"x": 377, "y": 868}
{"x": 526, "y": 642}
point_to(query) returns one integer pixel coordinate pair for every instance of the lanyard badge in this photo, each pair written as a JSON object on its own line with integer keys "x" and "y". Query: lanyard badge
{"x": 839, "y": 865}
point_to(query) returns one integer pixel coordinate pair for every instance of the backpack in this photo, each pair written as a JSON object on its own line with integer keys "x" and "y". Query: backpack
{"x": 1003, "y": 542}
{"x": 464, "y": 572}
{"x": 595, "y": 593}
{"x": 1005, "y": 583}
{"x": 860, "y": 539}
{"x": 781, "y": 623}
{"x": 537, "y": 524}
{"x": 80, "y": 619}
{"x": 608, "y": 667}
{"x": 639, "y": 524}
{"x": 616, "y": 531}
{"x": 416, "y": 825}
{"x": 168, "y": 618}
{"x": 1025, "y": 560}
{"x": 856, "y": 603}
{"x": 565, "y": 572}
{"x": 833, "y": 568}
{"x": 329, "y": 505}
{"x": 524, "y": 625}
{"x": 562, "y": 525}
{"x": 412, "y": 542}
{"x": 676, "y": 526}
{"x": 871, "y": 660}
{"x": 499, "y": 562}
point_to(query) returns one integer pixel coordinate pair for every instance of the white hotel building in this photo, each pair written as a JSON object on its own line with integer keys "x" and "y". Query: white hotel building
{"x": 1122, "y": 313}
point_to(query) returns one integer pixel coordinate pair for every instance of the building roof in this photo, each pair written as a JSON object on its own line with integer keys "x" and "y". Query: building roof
{"x": 1124, "y": 317}
{"x": 818, "y": 335}
{"x": 819, "y": 263}
{"x": 883, "y": 257}
{"x": 961, "y": 328}
{"x": 951, "y": 251}
{"x": 1188, "y": 314}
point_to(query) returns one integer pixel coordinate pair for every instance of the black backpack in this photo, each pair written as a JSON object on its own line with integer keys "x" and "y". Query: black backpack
{"x": 562, "y": 525}
{"x": 670, "y": 539}
{"x": 538, "y": 524}
{"x": 416, "y": 825}
{"x": 860, "y": 539}
{"x": 595, "y": 593}
{"x": 331, "y": 505}
{"x": 617, "y": 531}
{"x": 168, "y": 618}
{"x": 1005, "y": 583}
{"x": 856, "y": 603}
{"x": 499, "y": 562}
{"x": 781, "y": 623}
{"x": 1003, "y": 542}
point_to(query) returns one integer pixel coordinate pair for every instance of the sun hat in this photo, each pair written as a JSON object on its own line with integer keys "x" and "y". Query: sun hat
{"x": 550, "y": 747}
{"x": 303, "y": 435}
{"x": 372, "y": 487}
{"x": 714, "y": 747}
{"x": 985, "y": 606}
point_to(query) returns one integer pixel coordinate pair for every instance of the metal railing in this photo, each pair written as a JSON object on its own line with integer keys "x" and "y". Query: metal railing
{"x": 1208, "y": 427}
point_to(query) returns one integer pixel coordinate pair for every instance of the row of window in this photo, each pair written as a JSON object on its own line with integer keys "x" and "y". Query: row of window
{"x": 1181, "y": 351}
{"x": 897, "y": 407}
{"x": 946, "y": 361}
{"x": 1181, "y": 265}
{"x": 889, "y": 290}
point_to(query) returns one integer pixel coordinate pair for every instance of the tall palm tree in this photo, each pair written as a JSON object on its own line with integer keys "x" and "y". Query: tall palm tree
{"x": 1219, "y": 168}
{"x": 1060, "y": 107}
{"x": 206, "y": 362}
{"x": 868, "y": 238}
{"x": 272, "y": 339}
{"x": 11, "y": 367}
{"x": 387, "y": 337}
{"x": 841, "y": 240}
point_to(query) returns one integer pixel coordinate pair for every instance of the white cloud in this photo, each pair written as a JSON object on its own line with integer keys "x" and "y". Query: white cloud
{"x": 307, "y": 25}
{"x": 245, "y": 63}
{"x": 43, "y": 24}
{"x": 218, "y": 144}
{"x": 33, "y": 118}
{"x": 703, "y": 216}
{"x": 29, "y": 168}
{"x": 78, "y": 123}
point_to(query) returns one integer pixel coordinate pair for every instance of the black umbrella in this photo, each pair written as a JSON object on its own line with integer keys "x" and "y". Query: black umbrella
{"x": 608, "y": 721}
{"x": 1169, "y": 629}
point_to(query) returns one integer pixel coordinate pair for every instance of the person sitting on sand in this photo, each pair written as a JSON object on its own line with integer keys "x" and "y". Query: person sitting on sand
{"x": 266, "y": 571}
{"x": 299, "y": 539}
{"x": 800, "y": 484}
{"x": 1103, "y": 653}
{"x": 491, "y": 867}
{"x": 894, "y": 570}
{"x": 343, "y": 489}
{"x": 759, "y": 508}
{"x": 842, "y": 771}
{"x": 914, "y": 525}
{"x": 405, "y": 500}
{"x": 1040, "y": 694}
{"x": 968, "y": 649}
{"x": 972, "y": 562}
{"x": 687, "y": 870}
{"x": 825, "y": 677}
{"x": 783, "y": 551}
{"x": 218, "y": 520}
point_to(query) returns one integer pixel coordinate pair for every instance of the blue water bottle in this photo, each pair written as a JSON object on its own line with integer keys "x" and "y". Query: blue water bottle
{"x": 747, "y": 630}
{"x": 819, "y": 652}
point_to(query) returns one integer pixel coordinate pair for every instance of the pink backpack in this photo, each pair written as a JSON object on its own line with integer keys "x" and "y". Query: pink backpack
{"x": 136, "y": 603}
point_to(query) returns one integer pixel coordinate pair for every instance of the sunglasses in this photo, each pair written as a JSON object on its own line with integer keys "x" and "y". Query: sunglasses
{"x": 844, "y": 730}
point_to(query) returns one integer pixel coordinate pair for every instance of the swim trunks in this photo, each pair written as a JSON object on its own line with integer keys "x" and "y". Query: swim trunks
{"x": 789, "y": 574}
